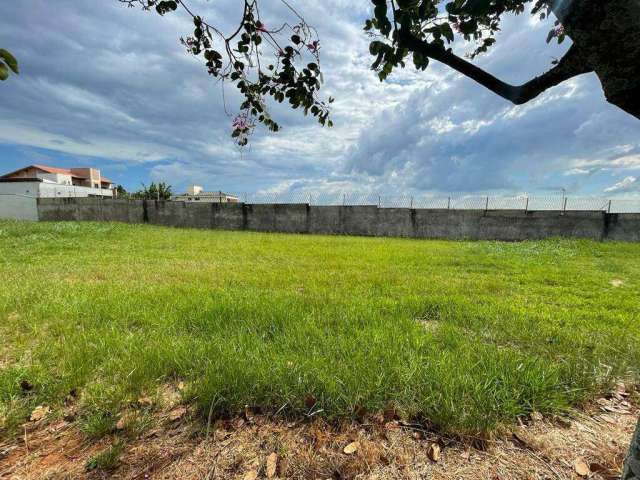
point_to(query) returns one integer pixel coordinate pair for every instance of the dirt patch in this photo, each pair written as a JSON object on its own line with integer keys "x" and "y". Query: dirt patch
{"x": 592, "y": 442}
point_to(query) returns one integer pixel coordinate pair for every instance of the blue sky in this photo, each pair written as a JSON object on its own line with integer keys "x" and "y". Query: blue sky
{"x": 112, "y": 87}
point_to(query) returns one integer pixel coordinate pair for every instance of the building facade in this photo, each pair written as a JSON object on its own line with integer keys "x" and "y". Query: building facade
{"x": 43, "y": 181}
{"x": 195, "y": 193}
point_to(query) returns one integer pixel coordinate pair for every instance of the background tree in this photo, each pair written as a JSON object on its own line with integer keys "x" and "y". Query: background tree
{"x": 121, "y": 192}
{"x": 159, "y": 191}
{"x": 605, "y": 38}
{"x": 7, "y": 63}
{"x": 284, "y": 62}
{"x": 261, "y": 61}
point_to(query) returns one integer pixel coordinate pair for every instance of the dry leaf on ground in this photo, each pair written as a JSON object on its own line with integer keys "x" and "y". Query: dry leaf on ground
{"x": 433, "y": 452}
{"x": 145, "y": 401}
{"x": 581, "y": 467}
{"x": 250, "y": 475}
{"x": 351, "y": 448}
{"x": 177, "y": 413}
{"x": 39, "y": 413}
{"x": 272, "y": 465}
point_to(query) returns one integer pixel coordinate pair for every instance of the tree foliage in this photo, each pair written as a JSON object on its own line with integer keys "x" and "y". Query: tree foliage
{"x": 8, "y": 63}
{"x": 605, "y": 39}
{"x": 121, "y": 192}
{"x": 155, "y": 191}
{"x": 283, "y": 63}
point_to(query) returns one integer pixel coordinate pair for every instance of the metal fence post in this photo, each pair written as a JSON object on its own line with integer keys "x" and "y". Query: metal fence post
{"x": 486, "y": 205}
{"x": 526, "y": 206}
{"x": 564, "y": 207}
{"x": 609, "y": 207}
{"x": 411, "y": 203}
{"x": 344, "y": 199}
{"x": 379, "y": 201}
{"x": 448, "y": 203}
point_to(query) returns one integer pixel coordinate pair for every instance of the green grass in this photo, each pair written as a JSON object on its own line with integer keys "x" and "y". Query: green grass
{"x": 465, "y": 335}
{"x": 106, "y": 460}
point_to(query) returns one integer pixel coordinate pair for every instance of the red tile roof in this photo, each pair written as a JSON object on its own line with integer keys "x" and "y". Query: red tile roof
{"x": 48, "y": 169}
{"x": 44, "y": 168}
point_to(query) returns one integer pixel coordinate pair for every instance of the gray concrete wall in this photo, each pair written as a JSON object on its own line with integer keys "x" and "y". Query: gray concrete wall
{"x": 351, "y": 220}
{"x": 18, "y": 207}
{"x": 90, "y": 209}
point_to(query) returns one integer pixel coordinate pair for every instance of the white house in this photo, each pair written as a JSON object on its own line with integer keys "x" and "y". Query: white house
{"x": 42, "y": 181}
{"x": 195, "y": 193}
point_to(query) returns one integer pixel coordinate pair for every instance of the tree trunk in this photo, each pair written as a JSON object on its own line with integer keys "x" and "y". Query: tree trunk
{"x": 632, "y": 462}
{"x": 607, "y": 34}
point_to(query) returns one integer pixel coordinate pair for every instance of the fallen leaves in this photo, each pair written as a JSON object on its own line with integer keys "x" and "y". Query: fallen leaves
{"x": 528, "y": 440}
{"x": 581, "y": 467}
{"x": 39, "y": 413}
{"x": 145, "y": 401}
{"x": 433, "y": 452}
{"x": 616, "y": 282}
{"x": 121, "y": 424}
{"x": 177, "y": 413}
{"x": 351, "y": 448}
{"x": 250, "y": 475}
{"x": 272, "y": 465}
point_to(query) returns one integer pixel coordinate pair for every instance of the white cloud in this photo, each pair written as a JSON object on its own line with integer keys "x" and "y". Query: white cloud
{"x": 576, "y": 171}
{"x": 114, "y": 83}
{"x": 625, "y": 185}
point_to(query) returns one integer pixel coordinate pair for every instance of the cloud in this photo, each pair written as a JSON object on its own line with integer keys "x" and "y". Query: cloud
{"x": 105, "y": 84}
{"x": 627, "y": 184}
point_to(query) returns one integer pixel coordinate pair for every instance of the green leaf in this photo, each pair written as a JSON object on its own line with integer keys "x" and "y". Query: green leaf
{"x": 446, "y": 30}
{"x": 10, "y": 60}
{"x": 550, "y": 35}
{"x": 4, "y": 71}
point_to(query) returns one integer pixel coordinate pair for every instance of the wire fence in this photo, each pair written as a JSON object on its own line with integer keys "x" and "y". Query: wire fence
{"x": 452, "y": 202}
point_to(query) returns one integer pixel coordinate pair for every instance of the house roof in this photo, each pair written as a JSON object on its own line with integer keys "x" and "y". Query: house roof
{"x": 207, "y": 194}
{"x": 48, "y": 169}
{"x": 44, "y": 168}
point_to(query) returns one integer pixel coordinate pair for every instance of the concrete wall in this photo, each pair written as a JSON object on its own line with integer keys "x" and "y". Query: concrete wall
{"x": 90, "y": 209}
{"x": 51, "y": 190}
{"x": 18, "y": 207}
{"x": 351, "y": 220}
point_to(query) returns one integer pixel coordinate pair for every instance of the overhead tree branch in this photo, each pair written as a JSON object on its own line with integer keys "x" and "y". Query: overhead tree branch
{"x": 571, "y": 65}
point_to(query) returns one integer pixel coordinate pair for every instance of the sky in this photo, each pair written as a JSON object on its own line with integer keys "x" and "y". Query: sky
{"x": 111, "y": 87}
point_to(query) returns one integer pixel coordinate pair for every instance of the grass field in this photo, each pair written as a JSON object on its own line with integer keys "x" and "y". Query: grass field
{"x": 465, "y": 335}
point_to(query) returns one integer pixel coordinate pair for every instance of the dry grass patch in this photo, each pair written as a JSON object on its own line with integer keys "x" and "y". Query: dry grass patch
{"x": 257, "y": 446}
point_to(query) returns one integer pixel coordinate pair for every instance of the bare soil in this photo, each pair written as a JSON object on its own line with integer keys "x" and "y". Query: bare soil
{"x": 590, "y": 443}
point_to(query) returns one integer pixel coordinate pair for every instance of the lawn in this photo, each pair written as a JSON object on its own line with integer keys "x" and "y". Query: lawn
{"x": 467, "y": 336}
